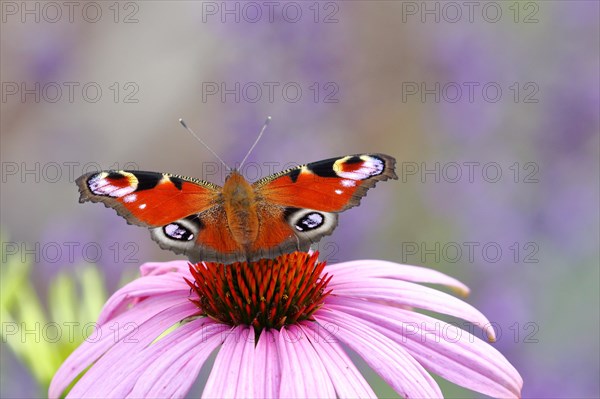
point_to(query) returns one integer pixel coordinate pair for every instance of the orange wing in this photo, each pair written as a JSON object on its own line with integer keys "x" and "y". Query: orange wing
{"x": 295, "y": 208}
{"x": 214, "y": 239}
{"x": 184, "y": 215}
{"x": 332, "y": 185}
{"x": 275, "y": 235}
{"x": 147, "y": 198}
{"x": 299, "y": 206}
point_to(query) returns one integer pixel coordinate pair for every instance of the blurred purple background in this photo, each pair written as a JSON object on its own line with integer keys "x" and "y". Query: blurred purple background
{"x": 493, "y": 118}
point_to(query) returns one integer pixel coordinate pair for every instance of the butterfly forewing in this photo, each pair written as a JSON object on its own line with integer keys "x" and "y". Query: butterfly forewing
{"x": 332, "y": 185}
{"x": 148, "y": 198}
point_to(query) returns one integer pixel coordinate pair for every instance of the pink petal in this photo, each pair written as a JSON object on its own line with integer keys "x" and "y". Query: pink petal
{"x": 158, "y": 268}
{"x": 176, "y": 360}
{"x": 143, "y": 287}
{"x": 232, "y": 373}
{"x": 346, "y": 378}
{"x": 267, "y": 372}
{"x": 312, "y": 362}
{"x": 392, "y": 362}
{"x": 303, "y": 375}
{"x": 414, "y": 295}
{"x": 94, "y": 383}
{"x": 124, "y": 377}
{"x": 103, "y": 338}
{"x": 446, "y": 350}
{"x": 360, "y": 269}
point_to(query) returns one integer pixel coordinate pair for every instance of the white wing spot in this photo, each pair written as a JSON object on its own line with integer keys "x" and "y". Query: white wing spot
{"x": 309, "y": 221}
{"x": 348, "y": 183}
{"x": 99, "y": 185}
{"x": 142, "y": 206}
{"x": 130, "y": 198}
{"x": 371, "y": 167}
{"x": 178, "y": 232}
{"x": 338, "y": 191}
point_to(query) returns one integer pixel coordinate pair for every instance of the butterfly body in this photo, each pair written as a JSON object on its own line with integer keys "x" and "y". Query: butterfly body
{"x": 239, "y": 201}
{"x": 240, "y": 221}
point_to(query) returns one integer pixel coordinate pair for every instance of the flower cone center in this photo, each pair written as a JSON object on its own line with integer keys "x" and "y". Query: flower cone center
{"x": 269, "y": 293}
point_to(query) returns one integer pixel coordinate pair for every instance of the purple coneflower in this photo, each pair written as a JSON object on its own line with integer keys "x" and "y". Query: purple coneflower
{"x": 281, "y": 325}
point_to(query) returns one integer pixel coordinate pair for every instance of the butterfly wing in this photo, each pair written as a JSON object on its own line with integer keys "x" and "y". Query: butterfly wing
{"x": 177, "y": 209}
{"x": 295, "y": 208}
{"x": 147, "y": 198}
{"x": 213, "y": 240}
{"x": 301, "y": 204}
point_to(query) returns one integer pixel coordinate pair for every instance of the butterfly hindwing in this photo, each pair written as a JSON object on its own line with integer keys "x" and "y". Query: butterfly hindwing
{"x": 203, "y": 236}
{"x": 282, "y": 232}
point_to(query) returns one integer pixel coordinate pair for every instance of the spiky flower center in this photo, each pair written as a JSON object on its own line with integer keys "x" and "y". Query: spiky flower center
{"x": 269, "y": 293}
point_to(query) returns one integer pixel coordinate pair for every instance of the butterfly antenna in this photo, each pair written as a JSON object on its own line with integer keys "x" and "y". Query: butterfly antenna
{"x": 256, "y": 141}
{"x": 203, "y": 143}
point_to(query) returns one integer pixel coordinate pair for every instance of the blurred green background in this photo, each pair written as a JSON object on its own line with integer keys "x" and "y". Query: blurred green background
{"x": 490, "y": 108}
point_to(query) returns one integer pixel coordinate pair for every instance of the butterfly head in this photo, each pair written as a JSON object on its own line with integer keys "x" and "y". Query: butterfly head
{"x": 234, "y": 178}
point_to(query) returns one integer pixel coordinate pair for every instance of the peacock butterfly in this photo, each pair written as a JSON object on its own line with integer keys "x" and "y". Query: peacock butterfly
{"x": 282, "y": 213}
